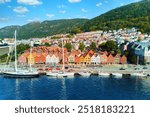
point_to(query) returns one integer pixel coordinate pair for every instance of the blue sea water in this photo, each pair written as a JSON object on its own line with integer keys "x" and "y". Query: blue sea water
{"x": 78, "y": 88}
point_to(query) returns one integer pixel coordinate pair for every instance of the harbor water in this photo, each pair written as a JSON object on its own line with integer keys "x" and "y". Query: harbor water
{"x": 78, "y": 88}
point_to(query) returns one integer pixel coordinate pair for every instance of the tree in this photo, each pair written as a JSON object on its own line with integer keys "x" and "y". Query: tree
{"x": 111, "y": 46}
{"x": 68, "y": 46}
{"x": 22, "y": 47}
{"x": 102, "y": 46}
{"x": 76, "y": 30}
{"x": 93, "y": 46}
{"x": 46, "y": 44}
{"x": 81, "y": 46}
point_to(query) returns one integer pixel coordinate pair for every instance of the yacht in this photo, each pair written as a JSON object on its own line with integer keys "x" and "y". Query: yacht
{"x": 19, "y": 73}
{"x": 62, "y": 73}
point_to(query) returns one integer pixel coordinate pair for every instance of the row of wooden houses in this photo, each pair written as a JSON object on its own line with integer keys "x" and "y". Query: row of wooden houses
{"x": 43, "y": 56}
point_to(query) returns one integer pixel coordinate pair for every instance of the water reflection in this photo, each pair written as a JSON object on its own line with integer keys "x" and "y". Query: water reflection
{"x": 78, "y": 88}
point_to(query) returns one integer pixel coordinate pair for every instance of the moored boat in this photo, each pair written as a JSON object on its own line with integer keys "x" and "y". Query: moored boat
{"x": 103, "y": 74}
{"x": 20, "y": 73}
{"x": 118, "y": 75}
{"x": 86, "y": 74}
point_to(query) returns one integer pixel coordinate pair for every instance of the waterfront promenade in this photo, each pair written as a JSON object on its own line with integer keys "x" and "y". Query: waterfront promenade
{"x": 122, "y": 69}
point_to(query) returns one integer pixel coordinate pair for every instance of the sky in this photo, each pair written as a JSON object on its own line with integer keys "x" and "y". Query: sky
{"x": 21, "y": 12}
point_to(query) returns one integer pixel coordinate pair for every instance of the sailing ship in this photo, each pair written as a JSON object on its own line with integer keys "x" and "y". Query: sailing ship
{"x": 62, "y": 73}
{"x": 19, "y": 73}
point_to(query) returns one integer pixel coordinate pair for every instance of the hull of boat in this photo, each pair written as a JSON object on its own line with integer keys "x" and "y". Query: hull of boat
{"x": 104, "y": 74}
{"x": 116, "y": 75}
{"x": 138, "y": 75}
{"x": 13, "y": 75}
{"x": 61, "y": 74}
{"x": 84, "y": 74}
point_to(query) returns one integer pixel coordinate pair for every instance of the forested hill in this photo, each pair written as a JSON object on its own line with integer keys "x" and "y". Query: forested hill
{"x": 42, "y": 29}
{"x": 132, "y": 15}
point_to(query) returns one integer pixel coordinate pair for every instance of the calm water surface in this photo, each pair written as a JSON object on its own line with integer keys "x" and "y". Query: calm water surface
{"x": 78, "y": 88}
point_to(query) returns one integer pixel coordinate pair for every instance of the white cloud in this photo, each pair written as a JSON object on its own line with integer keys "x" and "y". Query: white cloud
{"x": 74, "y": 1}
{"x": 99, "y": 4}
{"x": 61, "y": 6}
{"x": 122, "y": 4}
{"x": 3, "y": 1}
{"x": 29, "y": 2}
{"x": 106, "y": 1}
{"x": 83, "y": 10}
{"x": 21, "y": 16}
{"x": 33, "y": 20}
{"x": 62, "y": 12}
{"x": 4, "y": 19}
{"x": 50, "y": 15}
{"x": 20, "y": 9}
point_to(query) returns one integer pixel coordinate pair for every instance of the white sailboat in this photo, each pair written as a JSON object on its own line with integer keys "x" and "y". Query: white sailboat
{"x": 18, "y": 73}
{"x": 62, "y": 73}
{"x": 103, "y": 74}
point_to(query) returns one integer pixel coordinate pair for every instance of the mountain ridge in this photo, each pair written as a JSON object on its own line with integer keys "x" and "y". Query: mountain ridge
{"x": 42, "y": 29}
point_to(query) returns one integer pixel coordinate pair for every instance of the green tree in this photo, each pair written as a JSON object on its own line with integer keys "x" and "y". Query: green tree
{"x": 102, "y": 46}
{"x": 68, "y": 46}
{"x": 22, "y": 47}
{"x": 111, "y": 46}
{"x": 81, "y": 46}
{"x": 76, "y": 30}
{"x": 93, "y": 46}
{"x": 46, "y": 44}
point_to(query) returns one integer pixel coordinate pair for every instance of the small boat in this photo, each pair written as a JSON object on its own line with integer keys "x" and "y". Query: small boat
{"x": 86, "y": 74}
{"x": 103, "y": 74}
{"x": 60, "y": 74}
{"x": 116, "y": 75}
{"x": 139, "y": 74}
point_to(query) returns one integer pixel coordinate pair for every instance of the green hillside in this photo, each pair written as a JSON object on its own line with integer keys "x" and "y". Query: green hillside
{"x": 42, "y": 29}
{"x": 132, "y": 15}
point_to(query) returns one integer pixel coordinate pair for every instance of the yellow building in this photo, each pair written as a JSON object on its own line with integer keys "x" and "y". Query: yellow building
{"x": 81, "y": 59}
{"x": 31, "y": 59}
{"x": 87, "y": 59}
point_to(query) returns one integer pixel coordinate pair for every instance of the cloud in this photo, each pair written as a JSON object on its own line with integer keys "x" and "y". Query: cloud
{"x": 61, "y": 6}
{"x": 106, "y": 1}
{"x": 20, "y": 9}
{"x": 21, "y": 16}
{"x": 62, "y": 12}
{"x": 99, "y": 4}
{"x": 3, "y": 1}
{"x": 74, "y": 1}
{"x": 122, "y": 4}
{"x": 83, "y": 10}
{"x": 50, "y": 15}
{"x": 29, "y": 2}
{"x": 3, "y": 19}
{"x": 33, "y": 20}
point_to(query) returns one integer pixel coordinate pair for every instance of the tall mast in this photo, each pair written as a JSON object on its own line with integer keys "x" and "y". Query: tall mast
{"x": 63, "y": 54}
{"x": 15, "y": 52}
{"x": 31, "y": 45}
